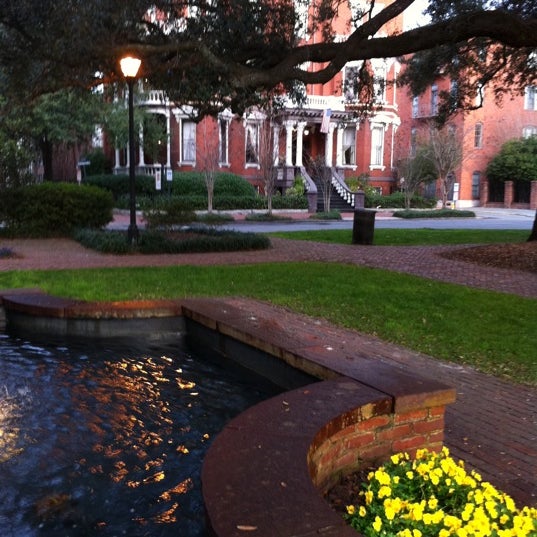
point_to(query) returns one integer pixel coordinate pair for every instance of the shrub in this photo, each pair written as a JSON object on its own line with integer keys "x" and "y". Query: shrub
{"x": 298, "y": 188}
{"x": 226, "y": 184}
{"x": 396, "y": 201}
{"x": 266, "y": 217}
{"x": 98, "y": 164}
{"x": 201, "y": 240}
{"x": 54, "y": 209}
{"x": 188, "y": 240}
{"x": 168, "y": 212}
{"x": 119, "y": 185}
{"x": 333, "y": 214}
{"x": 214, "y": 219}
{"x": 293, "y": 201}
{"x": 108, "y": 242}
{"x": 359, "y": 182}
{"x": 437, "y": 213}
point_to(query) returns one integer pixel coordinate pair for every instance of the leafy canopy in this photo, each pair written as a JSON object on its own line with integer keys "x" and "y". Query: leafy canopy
{"x": 222, "y": 53}
{"x": 517, "y": 160}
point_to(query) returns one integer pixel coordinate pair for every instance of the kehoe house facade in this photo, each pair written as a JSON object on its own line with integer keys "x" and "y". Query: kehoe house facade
{"x": 331, "y": 128}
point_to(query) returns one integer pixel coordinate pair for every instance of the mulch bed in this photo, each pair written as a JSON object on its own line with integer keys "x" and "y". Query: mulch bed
{"x": 346, "y": 491}
{"x": 516, "y": 256}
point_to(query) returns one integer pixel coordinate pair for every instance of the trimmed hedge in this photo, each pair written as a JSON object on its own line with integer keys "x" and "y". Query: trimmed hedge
{"x": 119, "y": 185}
{"x": 188, "y": 192}
{"x": 54, "y": 209}
{"x": 191, "y": 240}
{"x": 396, "y": 201}
{"x": 225, "y": 184}
{"x": 438, "y": 213}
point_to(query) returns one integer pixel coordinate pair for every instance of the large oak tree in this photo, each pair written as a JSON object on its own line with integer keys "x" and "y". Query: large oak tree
{"x": 222, "y": 52}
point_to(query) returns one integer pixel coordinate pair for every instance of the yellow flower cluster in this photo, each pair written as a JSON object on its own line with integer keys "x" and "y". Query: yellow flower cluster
{"x": 432, "y": 495}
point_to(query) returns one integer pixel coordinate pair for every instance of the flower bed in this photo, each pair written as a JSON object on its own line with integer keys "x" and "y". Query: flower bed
{"x": 433, "y": 495}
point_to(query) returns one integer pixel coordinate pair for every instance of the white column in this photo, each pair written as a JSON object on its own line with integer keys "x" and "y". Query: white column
{"x": 339, "y": 144}
{"x": 117, "y": 158}
{"x": 329, "y": 145}
{"x": 289, "y": 143}
{"x": 276, "y": 144}
{"x": 392, "y": 149}
{"x": 300, "y": 142}
{"x": 141, "y": 160}
{"x": 168, "y": 140}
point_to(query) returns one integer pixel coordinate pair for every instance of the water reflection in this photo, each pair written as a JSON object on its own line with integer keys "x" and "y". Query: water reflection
{"x": 109, "y": 442}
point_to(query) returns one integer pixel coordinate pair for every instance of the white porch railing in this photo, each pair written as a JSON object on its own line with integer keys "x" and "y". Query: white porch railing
{"x": 341, "y": 188}
{"x": 146, "y": 169}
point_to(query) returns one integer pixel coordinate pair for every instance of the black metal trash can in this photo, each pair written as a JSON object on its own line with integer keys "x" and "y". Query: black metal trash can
{"x": 363, "y": 227}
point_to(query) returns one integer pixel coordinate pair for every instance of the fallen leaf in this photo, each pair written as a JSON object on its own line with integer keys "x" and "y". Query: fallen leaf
{"x": 243, "y": 527}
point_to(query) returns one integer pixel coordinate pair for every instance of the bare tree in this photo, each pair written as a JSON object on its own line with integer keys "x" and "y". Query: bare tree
{"x": 444, "y": 150}
{"x": 414, "y": 171}
{"x": 321, "y": 172}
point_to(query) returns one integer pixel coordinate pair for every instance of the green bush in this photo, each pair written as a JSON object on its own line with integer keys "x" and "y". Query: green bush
{"x": 437, "y": 213}
{"x": 298, "y": 188}
{"x": 202, "y": 240}
{"x": 119, "y": 185}
{"x": 226, "y": 184}
{"x": 214, "y": 219}
{"x": 98, "y": 164}
{"x": 194, "y": 240}
{"x": 333, "y": 214}
{"x": 54, "y": 209}
{"x": 169, "y": 212}
{"x": 295, "y": 201}
{"x": 396, "y": 201}
{"x": 359, "y": 182}
{"x": 108, "y": 242}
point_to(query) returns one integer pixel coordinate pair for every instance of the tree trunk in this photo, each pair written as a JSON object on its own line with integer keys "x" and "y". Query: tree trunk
{"x": 46, "y": 155}
{"x": 533, "y": 234}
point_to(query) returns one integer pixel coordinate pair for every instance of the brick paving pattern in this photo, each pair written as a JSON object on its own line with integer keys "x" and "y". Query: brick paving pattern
{"x": 493, "y": 424}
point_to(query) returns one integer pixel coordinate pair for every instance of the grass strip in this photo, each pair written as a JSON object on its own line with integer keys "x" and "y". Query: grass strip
{"x": 412, "y": 237}
{"x": 493, "y": 331}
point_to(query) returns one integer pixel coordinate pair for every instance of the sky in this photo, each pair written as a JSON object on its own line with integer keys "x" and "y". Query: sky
{"x": 413, "y": 16}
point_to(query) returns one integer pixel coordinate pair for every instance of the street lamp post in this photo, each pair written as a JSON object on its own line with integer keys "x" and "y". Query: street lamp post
{"x": 129, "y": 68}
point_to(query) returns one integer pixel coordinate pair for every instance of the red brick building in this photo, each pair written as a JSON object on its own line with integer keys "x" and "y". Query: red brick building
{"x": 482, "y": 133}
{"x": 331, "y": 127}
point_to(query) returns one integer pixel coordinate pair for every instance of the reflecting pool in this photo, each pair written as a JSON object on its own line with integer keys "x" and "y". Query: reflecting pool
{"x": 107, "y": 438}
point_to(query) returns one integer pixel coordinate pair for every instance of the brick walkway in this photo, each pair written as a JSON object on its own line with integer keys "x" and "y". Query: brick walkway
{"x": 493, "y": 424}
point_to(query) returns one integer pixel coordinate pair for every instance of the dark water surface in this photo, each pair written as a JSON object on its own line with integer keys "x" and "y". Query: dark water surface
{"x": 108, "y": 438}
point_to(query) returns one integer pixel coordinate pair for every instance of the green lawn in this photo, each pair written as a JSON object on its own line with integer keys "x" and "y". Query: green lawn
{"x": 410, "y": 237}
{"x": 493, "y": 331}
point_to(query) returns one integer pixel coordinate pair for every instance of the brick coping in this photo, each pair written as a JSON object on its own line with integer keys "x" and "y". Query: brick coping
{"x": 266, "y": 471}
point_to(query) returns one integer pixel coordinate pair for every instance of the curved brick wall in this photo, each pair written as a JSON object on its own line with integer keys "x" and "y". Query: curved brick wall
{"x": 267, "y": 470}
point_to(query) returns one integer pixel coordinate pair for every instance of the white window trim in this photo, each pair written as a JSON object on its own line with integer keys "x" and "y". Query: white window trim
{"x": 530, "y": 98}
{"x": 225, "y": 119}
{"x": 479, "y": 145}
{"x": 382, "y": 128}
{"x": 182, "y": 160}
